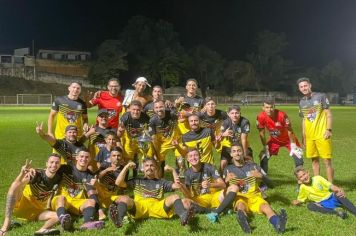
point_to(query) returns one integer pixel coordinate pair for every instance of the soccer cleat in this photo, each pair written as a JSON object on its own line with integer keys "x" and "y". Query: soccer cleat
{"x": 213, "y": 217}
{"x": 187, "y": 215}
{"x": 48, "y": 232}
{"x": 114, "y": 215}
{"x": 281, "y": 227}
{"x": 66, "y": 222}
{"x": 242, "y": 220}
{"x": 99, "y": 224}
{"x": 342, "y": 214}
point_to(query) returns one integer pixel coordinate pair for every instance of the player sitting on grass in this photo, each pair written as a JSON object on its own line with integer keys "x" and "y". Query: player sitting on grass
{"x": 243, "y": 178}
{"x": 108, "y": 172}
{"x": 324, "y": 196}
{"x": 149, "y": 200}
{"x": 203, "y": 184}
{"x": 77, "y": 194}
{"x": 30, "y": 195}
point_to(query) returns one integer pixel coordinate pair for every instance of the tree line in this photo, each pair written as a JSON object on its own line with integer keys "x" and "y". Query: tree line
{"x": 151, "y": 48}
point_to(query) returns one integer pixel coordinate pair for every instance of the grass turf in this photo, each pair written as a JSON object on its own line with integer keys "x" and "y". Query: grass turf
{"x": 19, "y": 141}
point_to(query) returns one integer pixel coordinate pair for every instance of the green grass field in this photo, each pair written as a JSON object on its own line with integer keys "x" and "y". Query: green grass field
{"x": 19, "y": 141}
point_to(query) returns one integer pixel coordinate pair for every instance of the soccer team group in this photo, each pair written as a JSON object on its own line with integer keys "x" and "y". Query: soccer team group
{"x": 115, "y": 168}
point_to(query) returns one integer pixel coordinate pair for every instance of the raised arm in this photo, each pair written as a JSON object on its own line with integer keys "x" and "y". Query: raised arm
{"x": 120, "y": 180}
{"x": 51, "y": 116}
{"x": 45, "y": 136}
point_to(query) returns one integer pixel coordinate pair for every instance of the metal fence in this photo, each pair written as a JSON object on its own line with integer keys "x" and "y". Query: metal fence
{"x": 27, "y": 99}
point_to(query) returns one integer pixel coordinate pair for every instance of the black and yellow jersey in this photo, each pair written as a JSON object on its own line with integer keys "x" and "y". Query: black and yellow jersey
{"x": 312, "y": 109}
{"x": 213, "y": 122}
{"x": 74, "y": 182}
{"x": 70, "y": 112}
{"x": 43, "y": 187}
{"x": 243, "y": 126}
{"x": 98, "y": 138}
{"x": 108, "y": 180}
{"x": 194, "y": 179}
{"x": 164, "y": 126}
{"x": 191, "y": 104}
{"x": 67, "y": 150}
{"x": 202, "y": 139}
{"x": 134, "y": 127}
{"x": 150, "y": 188}
{"x": 246, "y": 182}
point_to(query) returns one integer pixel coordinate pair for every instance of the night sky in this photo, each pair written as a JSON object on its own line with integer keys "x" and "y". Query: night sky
{"x": 318, "y": 31}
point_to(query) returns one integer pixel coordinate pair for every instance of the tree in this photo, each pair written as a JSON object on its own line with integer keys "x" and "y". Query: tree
{"x": 269, "y": 64}
{"x": 154, "y": 50}
{"x": 206, "y": 66}
{"x": 239, "y": 76}
{"x": 110, "y": 62}
{"x": 333, "y": 77}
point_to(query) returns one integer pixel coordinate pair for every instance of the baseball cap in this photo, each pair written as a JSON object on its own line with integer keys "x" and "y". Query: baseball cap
{"x": 71, "y": 127}
{"x": 102, "y": 111}
{"x": 141, "y": 79}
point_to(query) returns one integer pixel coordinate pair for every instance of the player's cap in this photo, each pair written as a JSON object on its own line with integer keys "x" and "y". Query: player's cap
{"x": 141, "y": 79}
{"x": 71, "y": 127}
{"x": 102, "y": 112}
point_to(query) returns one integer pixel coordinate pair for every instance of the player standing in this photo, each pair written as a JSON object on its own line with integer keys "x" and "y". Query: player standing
{"x": 317, "y": 127}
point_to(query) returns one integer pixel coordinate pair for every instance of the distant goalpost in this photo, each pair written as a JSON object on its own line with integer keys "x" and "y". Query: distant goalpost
{"x": 34, "y": 99}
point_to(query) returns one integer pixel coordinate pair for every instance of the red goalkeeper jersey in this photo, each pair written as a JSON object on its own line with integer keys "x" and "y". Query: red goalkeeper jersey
{"x": 277, "y": 125}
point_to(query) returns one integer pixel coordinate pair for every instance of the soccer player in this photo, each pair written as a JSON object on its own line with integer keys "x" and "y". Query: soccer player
{"x": 149, "y": 200}
{"x": 163, "y": 130}
{"x": 245, "y": 176}
{"x": 210, "y": 117}
{"x": 30, "y": 196}
{"x": 109, "y": 170}
{"x": 281, "y": 134}
{"x": 111, "y": 100}
{"x": 317, "y": 127}
{"x": 71, "y": 110}
{"x": 132, "y": 125}
{"x": 187, "y": 104}
{"x": 77, "y": 193}
{"x": 97, "y": 139}
{"x": 324, "y": 196}
{"x": 234, "y": 129}
{"x": 204, "y": 185}
{"x": 104, "y": 153}
{"x": 200, "y": 138}
{"x": 137, "y": 94}
{"x": 68, "y": 146}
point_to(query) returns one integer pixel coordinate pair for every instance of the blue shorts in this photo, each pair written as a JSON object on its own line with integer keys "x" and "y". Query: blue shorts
{"x": 331, "y": 203}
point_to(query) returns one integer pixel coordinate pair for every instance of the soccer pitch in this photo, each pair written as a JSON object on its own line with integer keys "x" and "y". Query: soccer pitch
{"x": 19, "y": 141}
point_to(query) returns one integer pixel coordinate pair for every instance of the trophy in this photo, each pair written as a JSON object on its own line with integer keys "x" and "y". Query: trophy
{"x": 144, "y": 142}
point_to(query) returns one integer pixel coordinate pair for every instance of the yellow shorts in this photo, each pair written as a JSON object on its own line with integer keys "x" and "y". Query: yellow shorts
{"x": 106, "y": 197}
{"x": 73, "y": 204}
{"x": 28, "y": 207}
{"x": 151, "y": 207}
{"x": 318, "y": 148}
{"x": 130, "y": 147}
{"x": 252, "y": 202}
{"x": 163, "y": 146}
{"x": 209, "y": 200}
